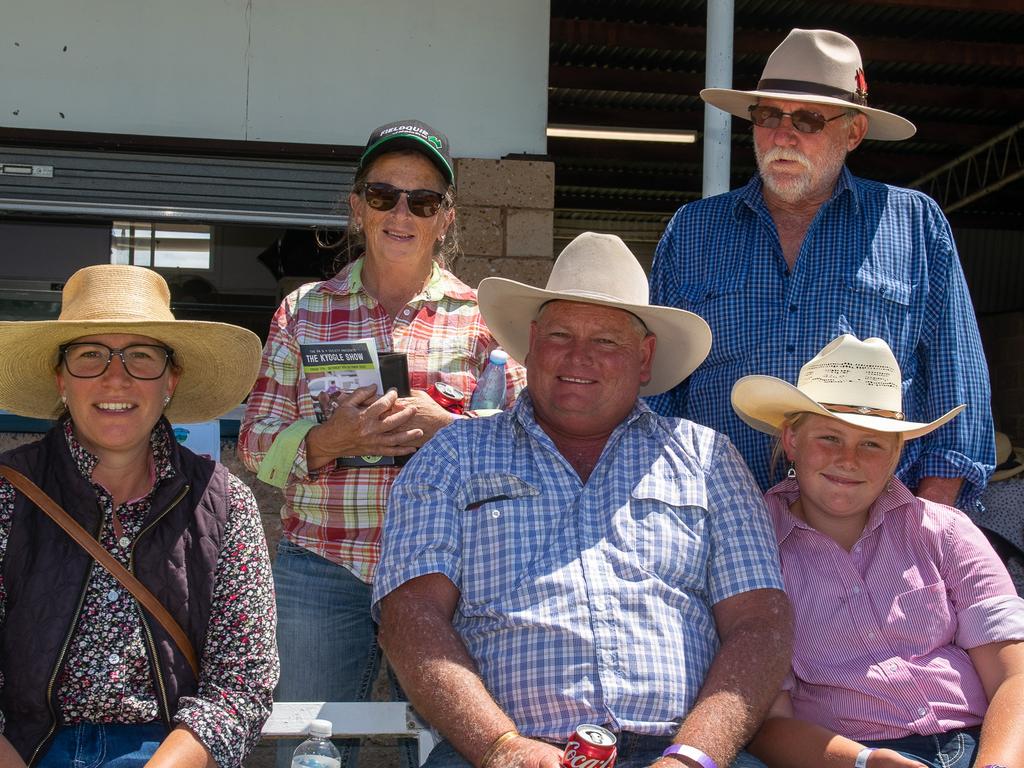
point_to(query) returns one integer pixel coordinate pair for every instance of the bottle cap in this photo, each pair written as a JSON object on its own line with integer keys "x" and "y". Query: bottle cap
{"x": 322, "y": 728}
{"x": 499, "y": 356}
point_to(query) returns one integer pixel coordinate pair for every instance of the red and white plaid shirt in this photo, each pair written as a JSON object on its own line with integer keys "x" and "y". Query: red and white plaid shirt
{"x": 338, "y": 513}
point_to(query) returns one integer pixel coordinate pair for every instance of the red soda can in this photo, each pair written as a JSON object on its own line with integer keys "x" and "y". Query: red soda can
{"x": 448, "y": 397}
{"x": 591, "y": 746}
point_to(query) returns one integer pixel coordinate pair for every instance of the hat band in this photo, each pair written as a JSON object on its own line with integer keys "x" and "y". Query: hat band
{"x": 864, "y": 410}
{"x": 813, "y": 89}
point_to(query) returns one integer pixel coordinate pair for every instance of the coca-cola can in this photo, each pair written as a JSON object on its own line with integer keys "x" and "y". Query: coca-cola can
{"x": 450, "y": 398}
{"x": 591, "y": 746}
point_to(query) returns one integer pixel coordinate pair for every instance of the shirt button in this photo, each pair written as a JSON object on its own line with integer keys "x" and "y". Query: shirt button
{"x": 790, "y": 348}
{"x": 123, "y": 542}
{"x": 112, "y": 595}
{"x": 113, "y": 658}
{"x": 407, "y": 312}
{"x": 792, "y": 307}
{"x": 894, "y": 666}
{"x": 856, "y": 590}
{"x": 495, "y": 513}
{"x": 871, "y": 635}
{"x": 922, "y": 711}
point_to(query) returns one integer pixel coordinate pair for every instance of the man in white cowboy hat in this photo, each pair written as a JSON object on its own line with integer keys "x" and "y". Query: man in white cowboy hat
{"x": 806, "y": 252}
{"x": 577, "y": 558}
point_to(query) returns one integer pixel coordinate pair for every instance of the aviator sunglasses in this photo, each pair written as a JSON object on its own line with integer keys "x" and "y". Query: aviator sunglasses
{"x": 804, "y": 120}
{"x": 383, "y": 197}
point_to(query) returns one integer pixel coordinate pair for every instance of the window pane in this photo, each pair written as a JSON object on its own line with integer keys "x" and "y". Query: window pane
{"x": 172, "y": 246}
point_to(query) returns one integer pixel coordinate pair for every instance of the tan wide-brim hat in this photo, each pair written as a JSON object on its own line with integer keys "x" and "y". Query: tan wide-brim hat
{"x": 218, "y": 361}
{"x": 854, "y": 381}
{"x": 816, "y": 66}
{"x": 598, "y": 269}
{"x": 1009, "y": 459}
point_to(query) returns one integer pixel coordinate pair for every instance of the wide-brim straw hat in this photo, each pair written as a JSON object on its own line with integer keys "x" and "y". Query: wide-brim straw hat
{"x": 598, "y": 269}
{"x": 817, "y": 66}
{"x": 1009, "y": 459}
{"x": 218, "y": 361}
{"x": 854, "y": 381}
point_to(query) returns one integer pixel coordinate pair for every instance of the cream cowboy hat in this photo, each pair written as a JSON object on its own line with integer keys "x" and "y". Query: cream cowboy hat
{"x": 1009, "y": 459}
{"x": 857, "y": 382}
{"x": 820, "y": 67}
{"x": 219, "y": 362}
{"x": 598, "y": 269}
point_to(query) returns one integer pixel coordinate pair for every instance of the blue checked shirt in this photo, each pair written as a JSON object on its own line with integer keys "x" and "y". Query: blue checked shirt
{"x": 877, "y": 261}
{"x": 582, "y": 603}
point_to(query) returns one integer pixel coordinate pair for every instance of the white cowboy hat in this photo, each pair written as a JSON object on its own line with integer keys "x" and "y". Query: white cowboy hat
{"x": 820, "y": 67}
{"x": 598, "y": 269}
{"x": 855, "y": 381}
{"x": 219, "y": 362}
{"x": 1009, "y": 459}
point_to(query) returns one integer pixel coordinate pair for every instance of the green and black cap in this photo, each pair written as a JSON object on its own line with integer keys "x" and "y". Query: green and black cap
{"x": 412, "y": 135}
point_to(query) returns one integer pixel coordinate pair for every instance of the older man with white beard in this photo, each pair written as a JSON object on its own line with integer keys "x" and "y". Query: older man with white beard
{"x": 806, "y": 252}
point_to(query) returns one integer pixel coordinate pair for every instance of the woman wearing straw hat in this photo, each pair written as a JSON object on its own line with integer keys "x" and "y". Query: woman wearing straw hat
{"x": 400, "y": 294}
{"x": 89, "y": 677}
{"x": 908, "y": 630}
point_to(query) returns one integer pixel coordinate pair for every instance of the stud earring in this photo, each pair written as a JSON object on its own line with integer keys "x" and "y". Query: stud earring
{"x": 63, "y": 399}
{"x": 167, "y": 400}
{"x": 791, "y": 472}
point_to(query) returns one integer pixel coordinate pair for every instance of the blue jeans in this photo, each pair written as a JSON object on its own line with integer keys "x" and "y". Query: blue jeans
{"x": 326, "y": 640}
{"x": 952, "y": 749}
{"x": 635, "y": 751}
{"x": 90, "y": 745}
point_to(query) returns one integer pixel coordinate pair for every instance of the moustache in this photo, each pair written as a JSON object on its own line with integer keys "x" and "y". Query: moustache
{"x": 787, "y": 153}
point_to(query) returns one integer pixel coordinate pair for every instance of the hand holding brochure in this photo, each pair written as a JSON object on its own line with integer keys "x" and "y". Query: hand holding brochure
{"x": 333, "y": 369}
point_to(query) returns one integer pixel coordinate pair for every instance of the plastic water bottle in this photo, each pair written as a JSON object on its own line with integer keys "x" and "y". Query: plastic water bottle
{"x": 318, "y": 751}
{"x": 490, "y": 387}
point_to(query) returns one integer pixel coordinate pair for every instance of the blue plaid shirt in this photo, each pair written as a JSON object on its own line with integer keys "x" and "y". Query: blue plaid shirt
{"x": 877, "y": 261}
{"x": 582, "y": 603}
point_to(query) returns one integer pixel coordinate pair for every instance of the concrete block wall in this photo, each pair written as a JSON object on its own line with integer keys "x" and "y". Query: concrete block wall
{"x": 506, "y": 219}
{"x": 1003, "y": 337}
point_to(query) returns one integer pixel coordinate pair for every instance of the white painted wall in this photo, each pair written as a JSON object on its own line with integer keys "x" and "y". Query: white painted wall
{"x": 319, "y": 71}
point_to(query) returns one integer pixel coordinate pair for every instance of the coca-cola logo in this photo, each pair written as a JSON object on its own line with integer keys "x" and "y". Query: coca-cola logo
{"x": 573, "y": 759}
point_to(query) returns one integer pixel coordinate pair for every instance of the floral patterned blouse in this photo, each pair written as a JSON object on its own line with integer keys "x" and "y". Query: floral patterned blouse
{"x": 107, "y": 677}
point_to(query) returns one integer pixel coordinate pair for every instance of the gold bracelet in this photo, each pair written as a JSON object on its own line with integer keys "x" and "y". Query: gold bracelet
{"x": 495, "y": 745}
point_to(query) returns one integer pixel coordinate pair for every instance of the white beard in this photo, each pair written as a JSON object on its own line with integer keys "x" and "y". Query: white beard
{"x": 812, "y": 182}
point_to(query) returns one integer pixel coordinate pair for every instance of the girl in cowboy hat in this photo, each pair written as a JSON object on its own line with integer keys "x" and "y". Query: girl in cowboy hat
{"x": 910, "y": 637}
{"x": 85, "y": 673}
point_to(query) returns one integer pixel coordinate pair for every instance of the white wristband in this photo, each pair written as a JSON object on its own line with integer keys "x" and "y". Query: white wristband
{"x": 862, "y": 758}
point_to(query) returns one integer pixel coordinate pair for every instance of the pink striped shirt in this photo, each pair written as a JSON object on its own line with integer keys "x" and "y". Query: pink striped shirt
{"x": 882, "y": 631}
{"x": 338, "y": 513}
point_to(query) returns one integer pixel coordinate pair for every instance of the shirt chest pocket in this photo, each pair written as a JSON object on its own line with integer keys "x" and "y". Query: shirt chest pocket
{"x": 450, "y": 360}
{"x": 668, "y": 529}
{"x": 878, "y": 304}
{"x": 505, "y": 533}
{"x": 920, "y": 620}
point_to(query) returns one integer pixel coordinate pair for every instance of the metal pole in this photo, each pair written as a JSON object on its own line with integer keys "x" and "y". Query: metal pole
{"x": 718, "y": 124}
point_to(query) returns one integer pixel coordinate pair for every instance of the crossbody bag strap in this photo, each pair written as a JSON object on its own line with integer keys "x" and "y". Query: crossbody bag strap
{"x": 104, "y": 558}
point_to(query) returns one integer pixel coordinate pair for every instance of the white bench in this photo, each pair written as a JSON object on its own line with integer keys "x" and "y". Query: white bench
{"x": 351, "y": 719}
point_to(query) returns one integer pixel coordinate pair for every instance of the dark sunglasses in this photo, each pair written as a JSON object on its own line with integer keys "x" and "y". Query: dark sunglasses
{"x": 804, "y": 120}
{"x": 383, "y": 197}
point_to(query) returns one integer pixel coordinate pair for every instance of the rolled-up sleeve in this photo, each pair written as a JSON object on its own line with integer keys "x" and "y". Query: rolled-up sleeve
{"x": 980, "y": 590}
{"x": 422, "y": 528}
{"x": 745, "y": 553}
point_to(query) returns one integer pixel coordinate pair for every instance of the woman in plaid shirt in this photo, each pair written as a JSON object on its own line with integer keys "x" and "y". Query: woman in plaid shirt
{"x": 399, "y": 293}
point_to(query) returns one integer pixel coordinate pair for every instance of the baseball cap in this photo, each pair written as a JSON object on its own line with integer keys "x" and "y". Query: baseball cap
{"x": 412, "y": 135}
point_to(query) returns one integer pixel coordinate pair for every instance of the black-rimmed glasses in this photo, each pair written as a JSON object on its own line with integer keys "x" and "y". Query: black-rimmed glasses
{"x": 88, "y": 360}
{"x": 804, "y": 120}
{"x": 383, "y": 197}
